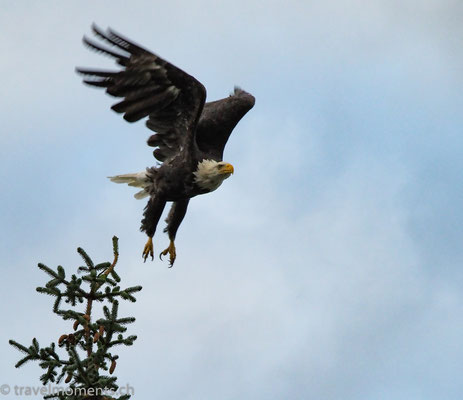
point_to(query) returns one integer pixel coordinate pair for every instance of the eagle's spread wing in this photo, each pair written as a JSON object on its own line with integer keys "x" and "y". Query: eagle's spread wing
{"x": 218, "y": 119}
{"x": 150, "y": 87}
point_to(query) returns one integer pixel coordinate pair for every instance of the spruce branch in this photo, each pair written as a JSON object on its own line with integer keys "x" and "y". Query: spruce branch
{"x": 87, "y": 349}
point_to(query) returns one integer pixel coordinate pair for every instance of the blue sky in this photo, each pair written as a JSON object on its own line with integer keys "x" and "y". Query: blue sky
{"x": 327, "y": 267}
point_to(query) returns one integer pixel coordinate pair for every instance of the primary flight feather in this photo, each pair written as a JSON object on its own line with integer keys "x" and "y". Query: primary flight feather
{"x": 190, "y": 134}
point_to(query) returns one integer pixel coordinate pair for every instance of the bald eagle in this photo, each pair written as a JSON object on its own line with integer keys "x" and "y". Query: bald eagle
{"x": 190, "y": 134}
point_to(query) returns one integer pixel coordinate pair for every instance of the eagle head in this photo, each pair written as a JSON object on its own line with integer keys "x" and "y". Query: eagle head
{"x": 210, "y": 174}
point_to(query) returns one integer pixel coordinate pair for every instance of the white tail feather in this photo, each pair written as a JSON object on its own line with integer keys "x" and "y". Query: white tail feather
{"x": 138, "y": 179}
{"x": 141, "y": 194}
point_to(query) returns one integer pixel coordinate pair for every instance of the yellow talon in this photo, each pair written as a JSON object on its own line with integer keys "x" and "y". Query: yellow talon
{"x": 148, "y": 250}
{"x": 172, "y": 253}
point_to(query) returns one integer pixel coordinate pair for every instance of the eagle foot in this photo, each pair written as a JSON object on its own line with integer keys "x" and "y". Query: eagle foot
{"x": 172, "y": 253}
{"x": 148, "y": 250}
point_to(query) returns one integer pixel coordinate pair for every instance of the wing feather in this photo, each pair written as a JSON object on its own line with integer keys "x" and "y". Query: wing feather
{"x": 218, "y": 120}
{"x": 149, "y": 87}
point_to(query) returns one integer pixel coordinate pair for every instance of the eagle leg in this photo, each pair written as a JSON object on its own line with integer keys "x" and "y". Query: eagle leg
{"x": 148, "y": 250}
{"x": 174, "y": 219}
{"x": 151, "y": 215}
{"x": 172, "y": 253}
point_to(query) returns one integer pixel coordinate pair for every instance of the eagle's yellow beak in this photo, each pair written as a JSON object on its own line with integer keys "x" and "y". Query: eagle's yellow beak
{"x": 227, "y": 169}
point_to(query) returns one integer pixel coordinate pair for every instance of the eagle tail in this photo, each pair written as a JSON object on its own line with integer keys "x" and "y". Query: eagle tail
{"x": 141, "y": 194}
{"x": 138, "y": 179}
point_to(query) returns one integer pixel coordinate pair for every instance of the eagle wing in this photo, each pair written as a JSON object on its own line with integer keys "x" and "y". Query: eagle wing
{"x": 150, "y": 87}
{"x": 217, "y": 121}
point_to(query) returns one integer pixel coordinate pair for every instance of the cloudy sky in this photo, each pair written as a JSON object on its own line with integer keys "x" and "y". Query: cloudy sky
{"x": 328, "y": 267}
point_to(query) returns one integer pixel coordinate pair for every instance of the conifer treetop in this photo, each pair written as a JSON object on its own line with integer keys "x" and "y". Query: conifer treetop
{"x": 83, "y": 358}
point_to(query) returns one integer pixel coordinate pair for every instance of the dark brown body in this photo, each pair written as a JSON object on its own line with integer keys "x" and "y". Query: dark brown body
{"x": 174, "y": 179}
